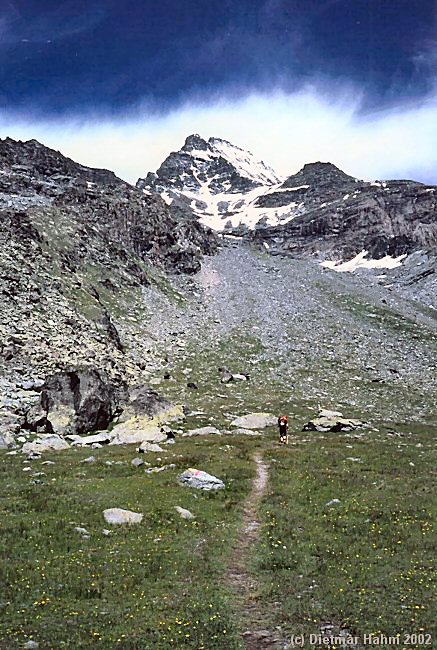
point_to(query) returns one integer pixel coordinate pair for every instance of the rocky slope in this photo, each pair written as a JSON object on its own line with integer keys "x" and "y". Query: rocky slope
{"x": 78, "y": 248}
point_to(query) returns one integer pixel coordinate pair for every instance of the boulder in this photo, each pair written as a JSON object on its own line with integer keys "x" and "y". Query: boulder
{"x": 79, "y": 401}
{"x": 139, "y": 428}
{"x": 185, "y": 514}
{"x": 144, "y": 401}
{"x": 201, "y": 431}
{"x": 136, "y": 430}
{"x": 255, "y": 421}
{"x": 231, "y": 376}
{"x": 116, "y": 516}
{"x": 196, "y": 478}
{"x": 149, "y": 446}
{"x": 103, "y": 438}
{"x": 6, "y": 439}
{"x": 243, "y": 432}
{"x": 326, "y": 413}
{"x": 46, "y": 442}
{"x": 36, "y": 417}
{"x": 334, "y": 424}
{"x": 162, "y": 468}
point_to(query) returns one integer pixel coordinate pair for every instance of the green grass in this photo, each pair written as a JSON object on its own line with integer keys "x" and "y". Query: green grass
{"x": 153, "y": 585}
{"x": 366, "y": 564}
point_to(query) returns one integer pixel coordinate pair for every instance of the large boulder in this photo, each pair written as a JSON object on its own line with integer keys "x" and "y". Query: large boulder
{"x": 143, "y": 401}
{"x": 143, "y": 428}
{"x": 255, "y": 421}
{"x": 101, "y": 438}
{"x": 331, "y": 421}
{"x": 79, "y": 401}
{"x": 45, "y": 442}
{"x": 137, "y": 430}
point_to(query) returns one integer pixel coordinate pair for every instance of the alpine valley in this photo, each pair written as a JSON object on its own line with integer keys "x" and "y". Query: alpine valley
{"x": 182, "y": 316}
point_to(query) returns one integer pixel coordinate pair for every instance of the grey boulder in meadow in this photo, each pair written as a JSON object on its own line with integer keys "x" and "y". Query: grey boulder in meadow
{"x": 196, "y": 478}
{"x": 201, "y": 431}
{"x": 331, "y": 421}
{"x": 184, "y": 514}
{"x": 255, "y": 421}
{"x": 116, "y": 516}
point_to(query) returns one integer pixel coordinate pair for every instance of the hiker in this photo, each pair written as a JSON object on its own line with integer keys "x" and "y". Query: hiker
{"x": 283, "y": 429}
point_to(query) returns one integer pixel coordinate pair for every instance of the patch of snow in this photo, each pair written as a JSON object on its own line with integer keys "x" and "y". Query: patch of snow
{"x": 244, "y": 162}
{"x": 346, "y": 196}
{"x": 203, "y": 155}
{"x": 273, "y": 190}
{"x": 167, "y": 198}
{"x": 360, "y": 262}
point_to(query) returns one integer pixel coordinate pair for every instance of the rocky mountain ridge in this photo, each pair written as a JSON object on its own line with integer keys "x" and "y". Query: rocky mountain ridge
{"x": 318, "y": 211}
{"x": 78, "y": 249}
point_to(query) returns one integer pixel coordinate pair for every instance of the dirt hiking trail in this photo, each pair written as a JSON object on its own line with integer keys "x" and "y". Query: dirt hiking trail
{"x": 252, "y": 610}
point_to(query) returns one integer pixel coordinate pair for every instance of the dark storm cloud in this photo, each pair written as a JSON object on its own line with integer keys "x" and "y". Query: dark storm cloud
{"x": 90, "y": 55}
{"x": 65, "y": 20}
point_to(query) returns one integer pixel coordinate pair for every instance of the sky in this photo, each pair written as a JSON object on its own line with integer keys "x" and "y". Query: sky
{"x": 120, "y": 85}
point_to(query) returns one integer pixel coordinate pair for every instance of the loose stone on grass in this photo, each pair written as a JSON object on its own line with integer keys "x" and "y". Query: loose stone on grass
{"x": 200, "y": 480}
{"x": 117, "y": 516}
{"x": 185, "y": 514}
{"x": 255, "y": 421}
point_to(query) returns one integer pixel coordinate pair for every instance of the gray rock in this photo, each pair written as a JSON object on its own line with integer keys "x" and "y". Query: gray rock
{"x": 31, "y": 645}
{"x": 81, "y": 531}
{"x": 101, "y": 438}
{"x": 89, "y": 460}
{"x": 118, "y": 516}
{"x": 243, "y": 432}
{"x": 36, "y": 417}
{"x": 255, "y": 421}
{"x": 6, "y": 440}
{"x": 162, "y": 468}
{"x": 200, "y": 480}
{"x": 334, "y": 424}
{"x": 137, "y": 462}
{"x": 149, "y": 446}
{"x": 202, "y": 431}
{"x": 185, "y": 514}
{"x": 143, "y": 401}
{"x": 332, "y": 502}
{"x": 46, "y": 442}
{"x": 81, "y": 400}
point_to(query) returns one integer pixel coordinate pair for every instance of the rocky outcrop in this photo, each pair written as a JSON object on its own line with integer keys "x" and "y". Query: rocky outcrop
{"x": 80, "y": 401}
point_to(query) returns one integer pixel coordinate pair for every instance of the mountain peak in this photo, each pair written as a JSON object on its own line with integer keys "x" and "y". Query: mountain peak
{"x": 195, "y": 141}
{"x": 320, "y": 173}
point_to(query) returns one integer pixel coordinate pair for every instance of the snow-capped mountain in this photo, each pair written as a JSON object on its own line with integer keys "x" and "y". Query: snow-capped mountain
{"x": 219, "y": 182}
{"x": 318, "y": 211}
